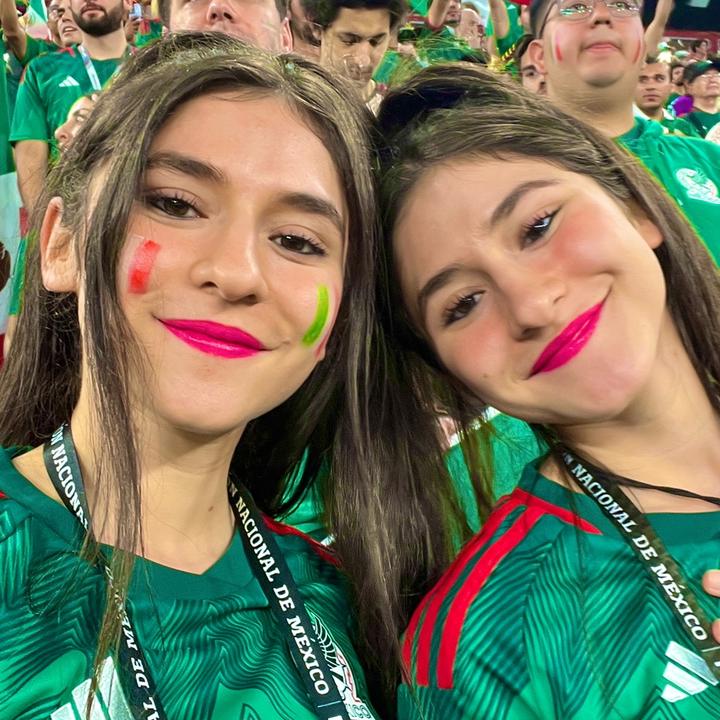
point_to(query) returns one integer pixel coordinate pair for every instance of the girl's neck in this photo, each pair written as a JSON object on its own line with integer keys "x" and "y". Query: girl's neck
{"x": 187, "y": 520}
{"x": 669, "y": 436}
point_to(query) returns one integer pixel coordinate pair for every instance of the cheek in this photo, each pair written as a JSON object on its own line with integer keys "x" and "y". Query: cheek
{"x": 637, "y": 45}
{"x": 562, "y": 41}
{"x": 141, "y": 265}
{"x": 317, "y": 327}
{"x": 478, "y": 355}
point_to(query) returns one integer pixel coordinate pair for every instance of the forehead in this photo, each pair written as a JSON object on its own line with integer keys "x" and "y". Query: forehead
{"x": 362, "y": 21}
{"x": 257, "y": 142}
{"x": 655, "y": 69}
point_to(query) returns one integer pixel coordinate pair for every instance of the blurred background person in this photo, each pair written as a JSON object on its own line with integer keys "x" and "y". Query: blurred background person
{"x": 263, "y": 23}
{"x": 653, "y": 89}
{"x": 702, "y": 81}
{"x": 354, "y": 35}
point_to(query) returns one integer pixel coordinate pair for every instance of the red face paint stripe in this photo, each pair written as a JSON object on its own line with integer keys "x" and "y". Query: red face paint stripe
{"x": 532, "y": 501}
{"x": 558, "y": 53}
{"x": 437, "y": 596}
{"x": 450, "y": 637}
{"x": 141, "y": 267}
{"x": 282, "y": 529}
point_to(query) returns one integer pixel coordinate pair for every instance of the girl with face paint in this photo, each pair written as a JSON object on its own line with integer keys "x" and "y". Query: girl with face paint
{"x": 185, "y": 345}
{"x": 534, "y": 269}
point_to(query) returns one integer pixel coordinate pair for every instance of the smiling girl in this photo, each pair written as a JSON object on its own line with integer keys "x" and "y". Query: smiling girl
{"x": 538, "y": 270}
{"x": 183, "y": 344}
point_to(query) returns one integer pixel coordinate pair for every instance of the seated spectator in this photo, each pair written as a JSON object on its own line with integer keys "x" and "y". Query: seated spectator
{"x": 676, "y": 76}
{"x": 652, "y": 92}
{"x": 304, "y": 30}
{"x": 699, "y": 50}
{"x": 530, "y": 77}
{"x": 702, "y": 80}
{"x": 78, "y": 115}
{"x": 354, "y": 35}
{"x": 591, "y": 54}
{"x": 263, "y": 23}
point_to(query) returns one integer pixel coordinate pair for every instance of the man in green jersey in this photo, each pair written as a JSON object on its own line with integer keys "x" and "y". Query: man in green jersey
{"x": 591, "y": 54}
{"x": 702, "y": 80}
{"x": 53, "y": 82}
{"x": 544, "y": 616}
{"x": 653, "y": 89}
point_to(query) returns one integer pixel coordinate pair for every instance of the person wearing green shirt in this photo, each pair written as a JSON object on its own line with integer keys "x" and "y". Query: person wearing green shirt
{"x": 702, "y": 80}
{"x": 53, "y": 82}
{"x": 164, "y": 587}
{"x": 506, "y": 26}
{"x": 591, "y": 55}
{"x": 653, "y": 89}
{"x": 570, "y": 292}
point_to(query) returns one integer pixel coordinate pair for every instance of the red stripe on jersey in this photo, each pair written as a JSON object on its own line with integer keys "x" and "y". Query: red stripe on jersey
{"x": 282, "y": 529}
{"x": 3, "y": 496}
{"x": 450, "y": 637}
{"x": 532, "y": 501}
{"x": 434, "y": 599}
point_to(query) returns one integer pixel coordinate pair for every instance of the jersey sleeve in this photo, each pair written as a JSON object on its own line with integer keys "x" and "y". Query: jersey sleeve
{"x": 30, "y": 117}
{"x": 483, "y": 643}
{"x": 35, "y": 47}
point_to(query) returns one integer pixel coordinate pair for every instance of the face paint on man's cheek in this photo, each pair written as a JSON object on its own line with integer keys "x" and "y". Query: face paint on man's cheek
{"x": 141, "y": 266}
{"x": 315, "y": 331}
{"x": 639, "y": 38}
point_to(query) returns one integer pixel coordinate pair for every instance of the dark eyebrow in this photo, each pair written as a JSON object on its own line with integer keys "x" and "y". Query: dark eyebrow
{"x": 507, "y": 205}
{"x": 316, "y": 206}
{"x": 435, "y": 283}
{"x": 504, "y": 208}
{"x": 186, "y": 165}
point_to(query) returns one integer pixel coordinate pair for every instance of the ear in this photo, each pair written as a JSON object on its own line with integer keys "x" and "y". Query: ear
{"x": 646, "y": 227}
{"x": 536, "y": 53}
{"x": 286, "y": 38}
{"x": 58, "y": 263}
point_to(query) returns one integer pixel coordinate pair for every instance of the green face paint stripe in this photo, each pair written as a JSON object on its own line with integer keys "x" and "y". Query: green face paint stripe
{"x": 321, "y": 316}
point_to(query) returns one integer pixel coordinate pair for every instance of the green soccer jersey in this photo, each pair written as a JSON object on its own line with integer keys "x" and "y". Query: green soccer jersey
{"x": 699, "y": 122}
{"x": 36, "y": 47}
{"x": 51, "y": 84}
{"x": 211, "y": 640}
{"x": 547, "y": 614}
{"x": 689, "y": 170}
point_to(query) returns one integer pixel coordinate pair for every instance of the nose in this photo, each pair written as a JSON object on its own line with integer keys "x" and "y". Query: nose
{"x": 231, "y": 267}
{"x": 220, "y": 10}
{"x": 62, "y": 135}
{"x": 601, "y": 14}
{"x": 531, "y": 300}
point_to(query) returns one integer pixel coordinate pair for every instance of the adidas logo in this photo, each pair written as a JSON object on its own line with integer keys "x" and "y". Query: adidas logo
{"x": 687, "y": 674}
{"x": 69, "y": 81}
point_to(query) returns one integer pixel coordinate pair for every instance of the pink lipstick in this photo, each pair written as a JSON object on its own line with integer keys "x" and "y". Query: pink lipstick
{"x": 565, "y": 346}
{"x": 215, "y": 339}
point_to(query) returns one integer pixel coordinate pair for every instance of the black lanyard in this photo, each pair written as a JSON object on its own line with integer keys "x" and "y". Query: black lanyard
{"x": 635, "y": 529}
{"x": 269, "y": 568}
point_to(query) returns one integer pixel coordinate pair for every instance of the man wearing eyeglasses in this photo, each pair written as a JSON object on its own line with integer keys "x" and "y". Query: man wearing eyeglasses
{"x": 591, "y": 52}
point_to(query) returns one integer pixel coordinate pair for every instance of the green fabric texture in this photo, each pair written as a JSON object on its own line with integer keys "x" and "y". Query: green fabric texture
{"x": 689, "y": 170}
{"x": 506, "y": 45}
{"x": 679, "y": 126}
{"x": 51, "y": 84}
{"x": 548, "y": 615}
{"x": 211, "y": 640}
{"x": 35, "y": 48}
{"x": 441, "y": 45}
{"x": 698, "y": 122}
{"x": 6, "y": 157}
{"x": 18, "y": 279}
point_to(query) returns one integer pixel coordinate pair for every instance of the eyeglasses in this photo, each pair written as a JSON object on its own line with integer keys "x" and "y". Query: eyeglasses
{"x": 574, "y": 10}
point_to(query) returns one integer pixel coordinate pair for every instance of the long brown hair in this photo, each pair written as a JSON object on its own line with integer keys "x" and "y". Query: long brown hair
{"x": 461, "y": 112}
{"x": 326, "y": 420}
